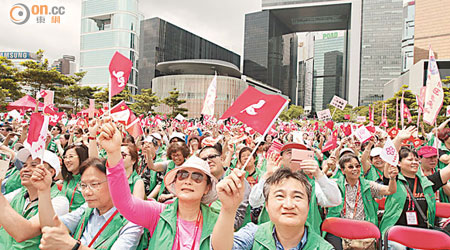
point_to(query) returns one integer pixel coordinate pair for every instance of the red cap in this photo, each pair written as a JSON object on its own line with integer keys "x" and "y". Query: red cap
{"x": 293, "y": 145}
{"x": 427, "y": 151}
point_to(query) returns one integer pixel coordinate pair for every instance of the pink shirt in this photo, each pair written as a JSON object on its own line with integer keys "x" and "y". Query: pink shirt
{"x": 146, "y": 213}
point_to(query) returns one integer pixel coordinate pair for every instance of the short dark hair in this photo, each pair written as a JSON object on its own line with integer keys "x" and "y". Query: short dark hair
{"x": 282, "y": 174}
{"x": 246, "y": 149}
{"x": 178, "y": 146}
{"x": 405, "y": 151}
{"x": 82, "y": 153}
{"x": 93, "y": 162}
{"x": 58, "y": 127}
{"x": 213, "y": 147}
{"x": 347, "y": 158}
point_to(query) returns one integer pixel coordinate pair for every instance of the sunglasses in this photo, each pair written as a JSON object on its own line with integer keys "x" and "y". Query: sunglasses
{"x": 352, "y": 167}
{"x": 210, "y": 157}
{"x": 195, "y": 176}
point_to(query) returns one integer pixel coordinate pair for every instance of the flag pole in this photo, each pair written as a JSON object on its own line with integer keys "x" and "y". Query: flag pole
{"x": 109, "y": 97}
{"x": 333, "y": 113}
{"x": 265, "y": 133}
{"x": 396, "y": 113}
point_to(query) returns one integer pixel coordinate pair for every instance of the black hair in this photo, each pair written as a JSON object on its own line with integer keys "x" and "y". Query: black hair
{"x": 347, "y": 158}
{"x": 405, "y": 151}
{"x": 282, "y": 174}
{"x": 93, "y": 162}
{"x": 82, "y": 152}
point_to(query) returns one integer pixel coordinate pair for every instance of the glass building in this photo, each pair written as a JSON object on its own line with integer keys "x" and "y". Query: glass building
{"x": 408, "y": 35}
{"x": 108, "y": 26}
{"x": 162, "y": 41}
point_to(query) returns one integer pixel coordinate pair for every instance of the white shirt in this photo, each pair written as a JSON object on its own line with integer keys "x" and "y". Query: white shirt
{"x": 60, "y": 203}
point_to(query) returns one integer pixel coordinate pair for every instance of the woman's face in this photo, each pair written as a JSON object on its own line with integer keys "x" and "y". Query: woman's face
{"x": 177, "y": 158}
{"x": 269, "y": 138}
{"x": 409, "y": 164}
{"x": 127, "y": 161}
{"x": 244, "y": 157}
{"x": 194, "y": 144}
{"x": 191, "y": 185}
{"x": 72, "y": 161}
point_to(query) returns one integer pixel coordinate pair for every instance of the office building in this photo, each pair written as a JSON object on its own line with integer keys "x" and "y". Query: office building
{"x": 65, "y": 65}
{"x": 162, "y": 41}
{"x": 107, "y": 27}
{"x": 373, "y": 39}
{"x": 408, "y": 35}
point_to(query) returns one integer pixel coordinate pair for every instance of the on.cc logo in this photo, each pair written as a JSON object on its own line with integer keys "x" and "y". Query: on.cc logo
{"x": 19, "y": 13}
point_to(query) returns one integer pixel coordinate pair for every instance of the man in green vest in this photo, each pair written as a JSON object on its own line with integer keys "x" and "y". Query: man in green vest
{"x": 19, "y": 209}
{"x": 55, "y": 133}
{"x": 288, "y": 194}
{"x": 429, "y": 165}
{"x": 95, "y": 225}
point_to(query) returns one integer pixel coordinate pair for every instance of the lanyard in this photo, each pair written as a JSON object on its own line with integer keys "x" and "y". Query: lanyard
{"x": 410, "y": 202}
{"x": 103, "y": 228}
{"x": 356, "y": 201}
{"x": 73, "y": 193}
{"x": 197, "y": 225}
{"x": 379, "y": 173}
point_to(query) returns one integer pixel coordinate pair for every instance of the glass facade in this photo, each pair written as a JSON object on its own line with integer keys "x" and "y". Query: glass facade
{"x": 328, "y": 69}
{"x": 408, "y": 36}
{"x": 108, "y": 26}
{"x": 381, "y": 58}
{"x": 162, "y": 41}
{"x": 193, "y": 89}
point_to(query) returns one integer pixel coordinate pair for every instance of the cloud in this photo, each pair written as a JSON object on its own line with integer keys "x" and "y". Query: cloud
{"x": 221, "y": 22}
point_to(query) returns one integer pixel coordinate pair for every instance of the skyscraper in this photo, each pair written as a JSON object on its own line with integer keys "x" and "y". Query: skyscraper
{"x": 108, "y": 26}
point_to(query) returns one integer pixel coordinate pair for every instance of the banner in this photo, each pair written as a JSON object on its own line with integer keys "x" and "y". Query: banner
{"x": 210, "y": 99}
{"x": 362, "y": 134}
{"x": 324, "y": 115}
{"x": 361, "y": 119}
{"x": 434, "y": 96}
{"x": 338, "y": 102}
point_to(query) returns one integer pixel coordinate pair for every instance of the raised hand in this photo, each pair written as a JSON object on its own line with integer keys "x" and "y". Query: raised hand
{"x": 406, "y": 133}
{"x": 393, "y": 171}
{"x": 231, "y": 190}
{"x": 311, "y": 168}
{"x": 273, "y": 163}
{"x": 41, "y": 178}
{"x": 110, "y": 137}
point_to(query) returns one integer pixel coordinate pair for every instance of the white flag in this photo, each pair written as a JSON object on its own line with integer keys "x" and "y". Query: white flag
{"x": 37, "y": 135}
{"x": 434, "y": 96}
{"x": 389, "y": 154}
{"x": 362, "y": 134}
{"x": 338, "y": 102}
{"x": 324, "y": 115}
{"x": 210, "y": 98}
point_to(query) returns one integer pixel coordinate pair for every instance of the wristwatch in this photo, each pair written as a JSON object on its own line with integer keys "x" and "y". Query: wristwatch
{"x": 77, "y": 245}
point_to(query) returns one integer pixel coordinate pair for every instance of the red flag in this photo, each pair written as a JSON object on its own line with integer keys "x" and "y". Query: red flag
{"x": 371, "y": 128}
{"x": 135, "y": 128}
{"x": 406, "y": 113}
{"x": 331, "y": 144}
{"x": 347, "y": 130}
{"x": 37, "y": 135}
{"x": 119, "y": 69}
{"x": 54, "y": 116}
{"x": 417, "y": 142}
{"x": 347, "y": 117}
{"x": 122, "y": 113}
{"x": 393, "y": 132}
{"x": 256, "y": 109}
{"x": 316, "y": 126}
{"x": 329, "y": 124}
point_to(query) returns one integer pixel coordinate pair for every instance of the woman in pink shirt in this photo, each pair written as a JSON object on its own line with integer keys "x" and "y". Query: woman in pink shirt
{"x": 187, "y": 223}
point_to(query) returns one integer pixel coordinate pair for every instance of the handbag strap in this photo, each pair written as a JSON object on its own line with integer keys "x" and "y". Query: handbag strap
{"x": 418, "y": 206}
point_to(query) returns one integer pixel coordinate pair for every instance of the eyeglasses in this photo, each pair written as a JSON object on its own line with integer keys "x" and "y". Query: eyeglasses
{"x": 195, "y": 176}
{"x": 70, "y": 157}
{"x": 124, "y": 154}
{"x": 352, "y": 167}
{"x": 210, "y": 157}
{"x": 92, "y": 186}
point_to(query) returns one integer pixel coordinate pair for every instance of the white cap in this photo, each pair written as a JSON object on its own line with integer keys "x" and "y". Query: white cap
{"x": 177, "y": 135}
{"x": 49, "y": 157}
{"x": 157, "y": 136}
{"x": 375, "y": 151}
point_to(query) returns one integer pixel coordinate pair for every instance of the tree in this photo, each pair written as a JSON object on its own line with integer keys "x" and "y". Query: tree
{"x": 37, "y": 76}
{"x": 145, "y": 102}
{"x": 103, "y": 96}
{"x": 78, "y": 95}
{"x": 293, "y": 112}
{"x": 174, "y": 103}
{"x": 8, "y": 82}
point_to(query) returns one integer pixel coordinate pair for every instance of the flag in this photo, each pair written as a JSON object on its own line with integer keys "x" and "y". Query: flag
{"x": 332, "y": 143}
{"x": 393, "y": 132}
{"x": 316, "y": 126}
{"x": 347, "y": 117}
{"x": 41, "y": 94}
{"x": 362, "y": 134}
{"x": 37, "y": 135}
{"x": 54, "y": 117}
{"x": 119, "y": 69}
{"x": 434, "y": 96}
{"x": 347, "y": 130}
{"x": 121, "y": 113}
{"x": 447, "y": 113}
{"x": 406, "y": 113}
{"x": 371, "y": 127}
{"x": 210, "y": 99}
{"x": 49, "y": 97}
{"x": 389, "y": 154}
{"x": 256, "y": 109}
{"x": 329, "y": 124}
{"x": 135, "y": 128}
{"x": 417, "y": 142}
{"x": 402, "y": 110}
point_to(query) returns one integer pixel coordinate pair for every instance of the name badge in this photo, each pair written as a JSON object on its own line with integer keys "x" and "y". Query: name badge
{"x": 411, "y": 218}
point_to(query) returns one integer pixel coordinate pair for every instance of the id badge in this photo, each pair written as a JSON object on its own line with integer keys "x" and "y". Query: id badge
{"x": 411, "y": 218}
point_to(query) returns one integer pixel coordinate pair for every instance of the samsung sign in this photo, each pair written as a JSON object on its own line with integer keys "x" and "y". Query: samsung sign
{"x": 18, "y": 55}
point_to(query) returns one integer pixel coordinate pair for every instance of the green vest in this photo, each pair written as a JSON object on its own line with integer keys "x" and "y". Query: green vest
{"x": 18, "y": 204}
{"x": 314, "y": 218}
{"x": 52, "y": 145}
{"x": 13, "y": 182}
{"x": 373, "y": 174}
{"x": 72, "y": 193}
{"x": 396, "y": 202}
{"x": 442, "y": 196}
{"x": 264, "y": 239}
{"x": 108, "y": 237}
{"x": 370, "y": 205}
{"x": 163, "y": 237}
{"x": 163, "y": 186}
{"x": 134, "y": 177}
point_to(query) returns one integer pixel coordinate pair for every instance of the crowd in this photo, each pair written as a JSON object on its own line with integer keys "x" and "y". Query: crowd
{"x": 213, "y": 185}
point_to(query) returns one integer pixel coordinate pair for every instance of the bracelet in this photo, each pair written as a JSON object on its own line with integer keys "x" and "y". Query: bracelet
{"x": 91, "y": 138}
{"x": 77, "y": 245}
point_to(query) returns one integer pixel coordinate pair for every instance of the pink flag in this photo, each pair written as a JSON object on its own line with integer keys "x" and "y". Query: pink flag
{"x": 434, "y": 96}
{"x": 37, "y": 135}
{"x": 406, "y": 113}
{"x": 119, "y": 69}
{"x": 210, "y": 99}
